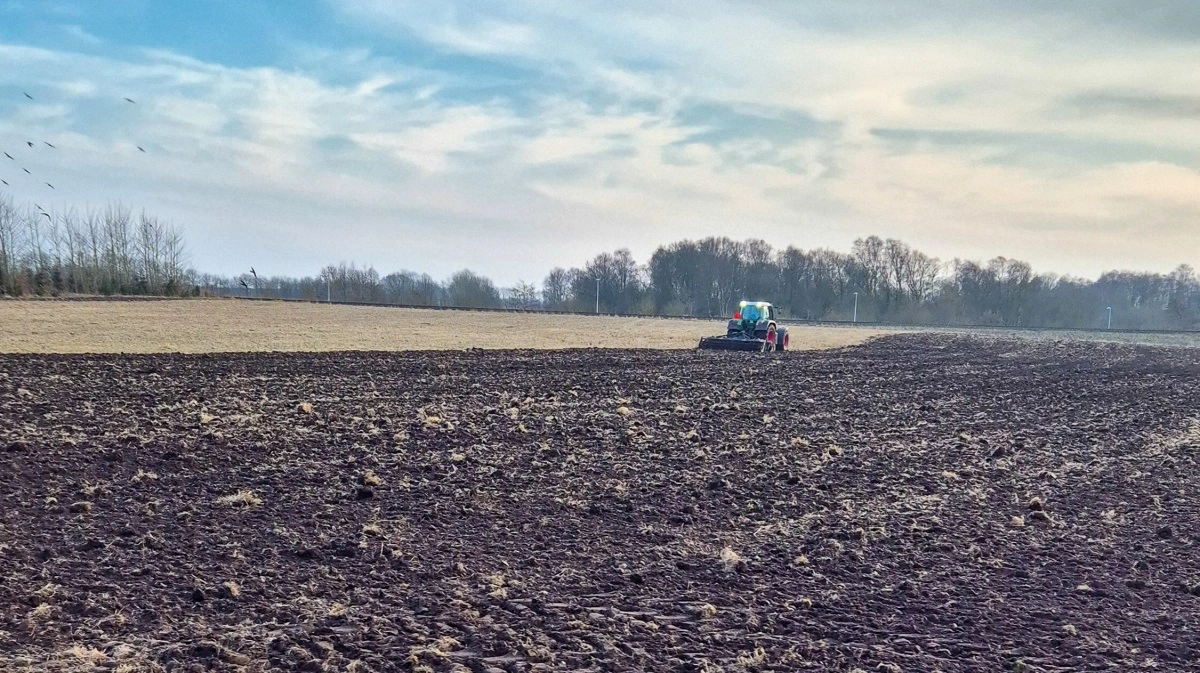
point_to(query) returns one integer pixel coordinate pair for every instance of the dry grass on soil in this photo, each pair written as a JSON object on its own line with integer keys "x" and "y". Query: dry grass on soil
{"x": 216, "y": 325}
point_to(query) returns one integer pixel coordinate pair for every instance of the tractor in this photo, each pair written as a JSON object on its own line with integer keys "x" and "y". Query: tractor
{"x": 753, "y": 328}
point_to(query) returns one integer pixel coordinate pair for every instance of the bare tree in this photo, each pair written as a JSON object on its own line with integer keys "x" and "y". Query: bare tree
{"x": 556, "y": 289}
{"x": 523, "y": 295}
{"x": 11, "y": 248}
{"x": 470, "y": 290}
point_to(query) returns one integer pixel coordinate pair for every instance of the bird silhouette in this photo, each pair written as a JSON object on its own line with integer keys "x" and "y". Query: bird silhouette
{"x": 47, "y": 215}
{"x": 9, "y": 156}
{"x": 243, "y": 282}
{"x": 29, "y": 142}
{"x": 140, "y": 149}
{"x": 28, "y": 96}
{"x": 129, "y": 100}
{"x": 50, "y": 185}
{"x": 27, "y": 171}
{"x": 39, "y": 208}
{"x": 253, "y": 272}
{"x": 50, "y": 146}
{"x": 5, "y": 182}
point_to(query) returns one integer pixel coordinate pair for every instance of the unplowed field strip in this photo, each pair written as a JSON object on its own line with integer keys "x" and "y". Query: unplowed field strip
{"x": 228, "y": 325}
{"x": 916, "y": 503}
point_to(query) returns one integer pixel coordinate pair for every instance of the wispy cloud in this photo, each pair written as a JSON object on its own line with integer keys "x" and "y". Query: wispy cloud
{"x": 1133, "y": 104}
{"x": 78, "y": 34}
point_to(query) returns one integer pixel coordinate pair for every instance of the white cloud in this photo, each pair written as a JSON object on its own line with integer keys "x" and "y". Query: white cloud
{"x": 78, "y": 88}
{"x": 432, "y": 145}
{"x": 77, "y": 33}
{"x": 460, "y": 29}
{"x": 347, "y": 154}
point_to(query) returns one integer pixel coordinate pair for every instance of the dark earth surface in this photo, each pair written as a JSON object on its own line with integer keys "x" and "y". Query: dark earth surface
{"x": 917, "y": 503}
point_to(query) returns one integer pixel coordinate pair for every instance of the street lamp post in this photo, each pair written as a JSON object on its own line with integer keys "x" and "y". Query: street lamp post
{"x": 855, "y": 308}
{"x": 597, "y": 295}
{"x": 1109, "y": 317}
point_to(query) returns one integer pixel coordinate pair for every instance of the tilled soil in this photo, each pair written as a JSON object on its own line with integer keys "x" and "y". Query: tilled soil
{"x": 917, "y": 503}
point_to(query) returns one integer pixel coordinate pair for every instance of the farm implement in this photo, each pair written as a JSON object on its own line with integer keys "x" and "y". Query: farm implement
{"x": 753, "y": 328}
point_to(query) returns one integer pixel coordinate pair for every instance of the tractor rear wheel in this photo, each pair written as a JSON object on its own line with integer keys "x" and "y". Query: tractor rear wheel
{"x": 781, "y": 343}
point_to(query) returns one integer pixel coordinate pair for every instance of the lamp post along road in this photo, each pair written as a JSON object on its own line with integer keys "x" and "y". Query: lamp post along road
{"x": 855, "y": 319}
{"x": 1109, "y": 317}
{"x": 597, "y": 296}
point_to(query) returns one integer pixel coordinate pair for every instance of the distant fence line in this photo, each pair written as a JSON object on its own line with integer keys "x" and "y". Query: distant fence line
{"x": 784, "y": 321}
{"x": 93, "y": 297}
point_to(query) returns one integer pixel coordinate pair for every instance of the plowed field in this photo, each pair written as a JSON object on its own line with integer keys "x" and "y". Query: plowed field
{"x": 916, "y": 503}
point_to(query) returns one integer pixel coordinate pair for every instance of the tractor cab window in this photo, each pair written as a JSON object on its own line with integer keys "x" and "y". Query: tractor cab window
{"x": 751, "y": 312}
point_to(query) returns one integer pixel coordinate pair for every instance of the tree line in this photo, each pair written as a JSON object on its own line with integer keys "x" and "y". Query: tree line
{"x": 876, "y": 281}
{"x": 110, "y": 251}
{"x": 350, "y": 283}
{"x": 98, "y": 252}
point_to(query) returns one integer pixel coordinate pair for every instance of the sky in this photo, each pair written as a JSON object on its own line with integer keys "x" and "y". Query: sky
{"x": 512, "y": 137}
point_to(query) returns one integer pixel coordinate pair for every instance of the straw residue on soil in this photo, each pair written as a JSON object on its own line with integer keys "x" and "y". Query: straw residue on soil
{"x": 226, "y": 325}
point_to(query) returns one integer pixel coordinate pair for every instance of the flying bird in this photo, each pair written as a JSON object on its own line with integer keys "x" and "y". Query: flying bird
{"x": 39, "y": 208}
{"x": 27, "y": 171}
{"x": 253, "y": 272}
{"x": 9, "y": 156}
{"x": 129, "y": 100}
{"x": 243, "y": 282}
{"x": 5, "y": 182}
{"x": 50, "y": 146}
{"x": 29, "y": 142}
{"x": 28, "y": 96}
{"x": 140, "y": 148}
{"x": 50, "y": 185}
{"x": 47, "y": 215}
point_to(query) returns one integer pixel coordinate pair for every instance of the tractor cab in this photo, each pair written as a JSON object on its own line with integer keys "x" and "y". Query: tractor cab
{"x": 754, "y": 318}
{"x": 753, "y": 312}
